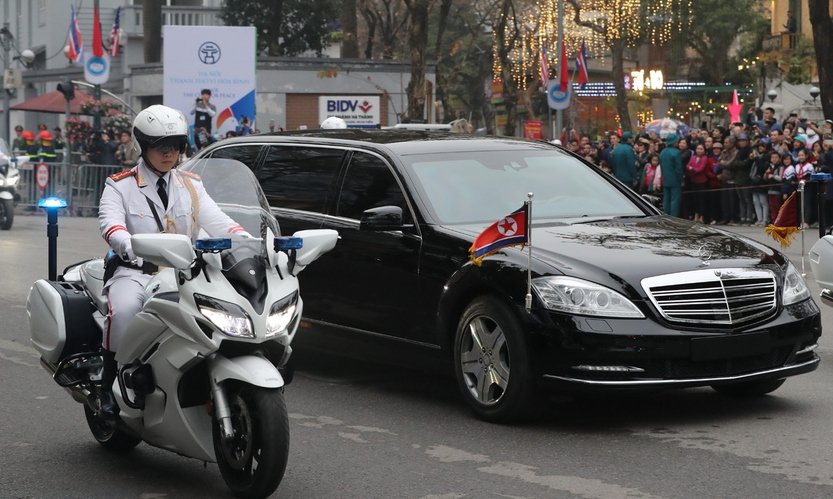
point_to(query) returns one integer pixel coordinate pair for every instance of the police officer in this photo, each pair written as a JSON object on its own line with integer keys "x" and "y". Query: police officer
{"x": 151, "y": 197}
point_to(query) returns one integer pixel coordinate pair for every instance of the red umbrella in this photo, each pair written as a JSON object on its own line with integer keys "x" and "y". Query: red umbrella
{"x": 53, "y": 102}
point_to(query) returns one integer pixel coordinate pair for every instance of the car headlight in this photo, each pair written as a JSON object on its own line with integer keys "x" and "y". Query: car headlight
{"x": 227, "y": 317}
{"x": 281, "y": 314}
{"x": 576, "y": 296}
{"x": 795, "y": 289}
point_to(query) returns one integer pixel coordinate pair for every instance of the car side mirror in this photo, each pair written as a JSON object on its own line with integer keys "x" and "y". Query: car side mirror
{"x": 382, "y": 218}
{"x": 316, "y": 243}
{"x": 165, "y": 250}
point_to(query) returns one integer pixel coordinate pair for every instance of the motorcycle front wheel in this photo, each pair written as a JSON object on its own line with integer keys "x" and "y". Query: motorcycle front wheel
{"x": 254, "y": 459}
{"x": 108, "y": 434}
{"x": 6, "y": 214}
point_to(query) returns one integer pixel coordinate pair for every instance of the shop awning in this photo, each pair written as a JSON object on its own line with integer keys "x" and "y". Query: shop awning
{"x": 53, "y": 102}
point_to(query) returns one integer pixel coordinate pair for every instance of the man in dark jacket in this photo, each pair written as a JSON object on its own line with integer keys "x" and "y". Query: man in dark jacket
{"x": 623, "y": 161}
{"x": 671, "y": 167}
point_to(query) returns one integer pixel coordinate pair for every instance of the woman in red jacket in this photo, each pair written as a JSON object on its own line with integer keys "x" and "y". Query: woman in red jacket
{"x": 697, "y": 176}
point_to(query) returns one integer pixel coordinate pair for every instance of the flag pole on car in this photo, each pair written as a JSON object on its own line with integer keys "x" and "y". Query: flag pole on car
{"x": 529, "y": 253}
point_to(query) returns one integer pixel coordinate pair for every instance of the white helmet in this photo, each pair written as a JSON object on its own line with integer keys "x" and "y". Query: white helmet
{"x": 156, "y": 123}
{"x": 334, "y": 122}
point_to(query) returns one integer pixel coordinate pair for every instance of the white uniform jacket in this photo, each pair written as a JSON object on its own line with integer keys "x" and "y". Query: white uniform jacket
{"x": 124, "y": 209}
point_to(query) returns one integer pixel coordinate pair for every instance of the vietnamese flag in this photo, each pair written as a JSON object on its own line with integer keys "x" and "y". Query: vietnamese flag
{"x": 508, "y": 231}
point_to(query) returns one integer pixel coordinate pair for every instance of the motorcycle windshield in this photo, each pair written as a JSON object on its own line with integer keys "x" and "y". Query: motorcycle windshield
{"x": 234, "y": 188}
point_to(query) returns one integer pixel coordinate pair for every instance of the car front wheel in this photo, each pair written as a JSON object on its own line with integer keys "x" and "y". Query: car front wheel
{"x": 491, "y": 362}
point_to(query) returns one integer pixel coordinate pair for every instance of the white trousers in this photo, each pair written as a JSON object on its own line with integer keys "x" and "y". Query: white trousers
{"x": 125, "y": 298}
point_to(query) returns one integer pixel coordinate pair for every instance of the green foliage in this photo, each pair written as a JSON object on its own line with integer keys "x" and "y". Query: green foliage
{"x": 715, "y": 27}
{"x": 285, "y": 27}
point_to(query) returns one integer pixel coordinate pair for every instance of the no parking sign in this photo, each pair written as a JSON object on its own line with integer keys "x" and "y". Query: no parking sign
{"x": 42, "y": 176}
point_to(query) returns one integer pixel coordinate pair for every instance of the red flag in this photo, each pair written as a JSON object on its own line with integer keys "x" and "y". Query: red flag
{"x": 563, "y": 71}
{"x": 581, "y": 65}
{"x": 785, "y": 225}
{"x": 98, "y": 46}
{"x": 508, "y": 231}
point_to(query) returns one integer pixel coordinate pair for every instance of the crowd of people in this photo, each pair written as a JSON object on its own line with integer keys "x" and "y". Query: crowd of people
{"x": 735, "y": 175}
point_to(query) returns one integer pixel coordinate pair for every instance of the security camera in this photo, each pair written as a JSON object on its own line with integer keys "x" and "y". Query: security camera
{"x": 814, "y": 92}
{"x": 771, "y": 95}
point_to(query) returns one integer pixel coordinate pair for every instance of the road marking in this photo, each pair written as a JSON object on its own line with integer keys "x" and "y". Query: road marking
{"x": 353, "y": 437}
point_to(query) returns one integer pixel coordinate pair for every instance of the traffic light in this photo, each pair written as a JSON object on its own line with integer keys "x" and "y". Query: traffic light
{"x": 68, "y": 89}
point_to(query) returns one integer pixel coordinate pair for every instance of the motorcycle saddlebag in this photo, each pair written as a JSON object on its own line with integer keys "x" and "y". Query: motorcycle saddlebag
{"x": 61, "y": 320}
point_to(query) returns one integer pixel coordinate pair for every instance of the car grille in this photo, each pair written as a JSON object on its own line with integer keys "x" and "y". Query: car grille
{"x": 720, "y": 297}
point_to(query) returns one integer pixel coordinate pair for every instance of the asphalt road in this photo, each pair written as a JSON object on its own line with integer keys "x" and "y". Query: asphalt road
{"x": 362, "y": 430}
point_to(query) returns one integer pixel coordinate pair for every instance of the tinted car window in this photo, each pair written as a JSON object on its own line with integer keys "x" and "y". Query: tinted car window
{"x": 300, "y": 178}
{"x": 246, "y": 154}
{"x": 369, "y": 183}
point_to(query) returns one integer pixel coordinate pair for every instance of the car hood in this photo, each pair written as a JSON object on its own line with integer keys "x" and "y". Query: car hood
{"x": 631, "y": 249}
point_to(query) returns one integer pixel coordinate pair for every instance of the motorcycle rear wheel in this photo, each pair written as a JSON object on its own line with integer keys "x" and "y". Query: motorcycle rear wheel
{"x": 108, "y": 434}
{"x": 6, "y": 214}
{"x": 253, "y": 461}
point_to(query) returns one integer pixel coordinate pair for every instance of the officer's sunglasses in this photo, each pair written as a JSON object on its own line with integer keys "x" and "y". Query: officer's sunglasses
{"x": 170, "y": 144}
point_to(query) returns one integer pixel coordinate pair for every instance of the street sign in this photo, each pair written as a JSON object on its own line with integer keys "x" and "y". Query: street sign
{"x": 555, "y": 97}
{"x": 42, "y": 176}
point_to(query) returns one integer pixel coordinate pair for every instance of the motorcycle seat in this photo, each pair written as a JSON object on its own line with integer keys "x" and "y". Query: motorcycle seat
{"x": 92, "y": 275}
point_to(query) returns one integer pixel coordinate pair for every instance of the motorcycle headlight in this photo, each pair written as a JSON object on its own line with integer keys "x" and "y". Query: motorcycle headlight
{"x": 576, "y": 296}
{"x": 227, "y": 317}
{"x": 12, "y": 181}
{"x": 795, "y": 289}
{"x": 281, "y": 314}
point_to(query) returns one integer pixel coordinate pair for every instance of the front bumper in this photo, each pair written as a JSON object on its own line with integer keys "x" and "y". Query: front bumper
{"x": 587, "y": 353}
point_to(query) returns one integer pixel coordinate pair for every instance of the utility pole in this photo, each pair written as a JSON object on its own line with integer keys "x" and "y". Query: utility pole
{"x": 6, "y": 95}
{"x": 562, "y": 66}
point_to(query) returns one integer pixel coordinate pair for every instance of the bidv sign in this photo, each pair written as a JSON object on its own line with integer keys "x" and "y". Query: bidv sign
{"x": 357, "y": 111}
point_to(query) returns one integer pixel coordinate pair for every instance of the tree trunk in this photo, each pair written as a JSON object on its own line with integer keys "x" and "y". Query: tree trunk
{"x": 152, "y": 30}
{"x": 440, "y": 57}
{"x": 617, "y": 52}
{"x": 418, "y": 42}
{"x": 349, "y": 30}
{"x": 823, "y": 43}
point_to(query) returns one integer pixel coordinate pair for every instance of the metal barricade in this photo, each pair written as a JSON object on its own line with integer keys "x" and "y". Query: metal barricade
{"x": 80, "y": 185}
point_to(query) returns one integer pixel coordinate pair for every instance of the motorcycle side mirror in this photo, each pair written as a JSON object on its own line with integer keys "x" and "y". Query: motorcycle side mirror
{"x": 316, "y": 242}
{"x": 165, "y": 250}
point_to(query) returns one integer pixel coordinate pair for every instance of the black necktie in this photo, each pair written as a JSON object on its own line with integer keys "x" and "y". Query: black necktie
{"x": 161, "y": 189}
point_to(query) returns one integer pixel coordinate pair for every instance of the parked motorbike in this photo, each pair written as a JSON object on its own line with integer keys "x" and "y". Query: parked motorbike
{"x": 9, "y": 180}
{"x": 202, "y": 367}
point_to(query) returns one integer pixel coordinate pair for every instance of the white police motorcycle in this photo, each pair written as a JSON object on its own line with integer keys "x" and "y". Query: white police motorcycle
{"x": 203, "y": 365}
{"x": 9, "y": 180}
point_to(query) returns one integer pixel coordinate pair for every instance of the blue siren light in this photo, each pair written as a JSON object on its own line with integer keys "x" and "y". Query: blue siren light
{"x": 52, "y": 202}
{"x": 212, "y": 244}
{"x": 288, "y": 243}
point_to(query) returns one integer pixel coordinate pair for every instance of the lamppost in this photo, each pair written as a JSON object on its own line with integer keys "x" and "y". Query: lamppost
{"x": 772, "y": 94}
{"x": 814, "y": 93}
{"x": 9, "y": 78}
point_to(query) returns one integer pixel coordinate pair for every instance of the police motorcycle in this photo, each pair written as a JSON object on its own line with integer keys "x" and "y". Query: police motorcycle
{"x": 9, "y": 180}
{"x": 203, "y": 366}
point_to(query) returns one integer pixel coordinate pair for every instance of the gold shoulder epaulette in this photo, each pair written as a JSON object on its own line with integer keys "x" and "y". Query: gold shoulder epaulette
{"x": 189, "y": 174}
{"x": 122, "y": 175}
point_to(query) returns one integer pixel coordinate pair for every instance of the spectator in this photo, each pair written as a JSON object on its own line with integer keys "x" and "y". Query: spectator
{"x": 745, "y": 159}
{"x": 773, "y": 176}
{"x": 729, "y": 164}
{"x": 649, "y": 175}
{"x": 623, "y": 161}
{"x": 126, "y": 153}
{"x": 760, "y": 163}
{"x": 202, "y": 138}
{"x": 697, "y": 177}
{"x": 672, "y": 176}
{"x": 203, "y": 110}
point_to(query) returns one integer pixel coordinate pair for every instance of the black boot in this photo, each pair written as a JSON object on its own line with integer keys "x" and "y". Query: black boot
{"x": 109, "y": 408}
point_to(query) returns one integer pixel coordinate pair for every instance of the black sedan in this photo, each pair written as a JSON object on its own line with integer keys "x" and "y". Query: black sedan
{"x": 623, "y": 296}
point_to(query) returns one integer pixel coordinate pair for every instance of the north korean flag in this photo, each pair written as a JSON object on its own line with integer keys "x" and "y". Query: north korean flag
{"x": 508, "y": 231}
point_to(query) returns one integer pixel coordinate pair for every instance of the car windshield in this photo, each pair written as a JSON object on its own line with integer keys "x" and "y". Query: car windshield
{"x": 483, "y": 186}
{"x": 236, "y": 191}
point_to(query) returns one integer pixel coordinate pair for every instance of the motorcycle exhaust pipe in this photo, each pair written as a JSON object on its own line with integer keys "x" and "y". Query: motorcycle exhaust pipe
{"x": 78, "y": 394}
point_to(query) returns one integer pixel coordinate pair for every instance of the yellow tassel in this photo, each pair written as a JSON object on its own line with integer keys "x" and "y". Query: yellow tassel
{"x": 784, "y": 235}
